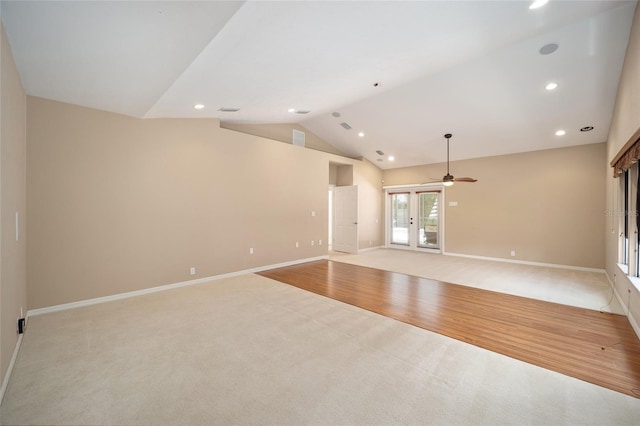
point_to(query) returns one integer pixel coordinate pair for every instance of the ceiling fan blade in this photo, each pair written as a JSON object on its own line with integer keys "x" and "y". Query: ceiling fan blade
{"x": 466, "y": 179}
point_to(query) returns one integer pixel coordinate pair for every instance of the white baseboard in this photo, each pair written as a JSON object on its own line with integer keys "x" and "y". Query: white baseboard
{"x": 283, "y": 264}
{"x": 7, "y": 376}
{"x": 89, "y": 302}
{"x": 369, "y": 249}
{"x": 524, "y": 262}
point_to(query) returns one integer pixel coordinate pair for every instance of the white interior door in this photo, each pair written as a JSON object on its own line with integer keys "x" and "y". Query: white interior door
{"x": 345, "y": 220}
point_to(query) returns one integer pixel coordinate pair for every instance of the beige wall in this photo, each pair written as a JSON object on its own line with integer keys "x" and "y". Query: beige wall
{"x": 344, "y": 175}
{"x": 13, "y": 254}
{"x": 625, "y": 121}
{"x": 368, "y": 178}
{"x": 118, "y": 204}
{"x": 547, "y": 205}
{"x": 283, "y": 133}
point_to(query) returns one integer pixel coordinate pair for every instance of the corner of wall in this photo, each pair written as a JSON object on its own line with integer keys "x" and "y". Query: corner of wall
{"x": 13, "y": 143}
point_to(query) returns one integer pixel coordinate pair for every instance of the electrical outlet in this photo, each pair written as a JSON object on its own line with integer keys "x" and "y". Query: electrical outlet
{"x": 297, "y": 244}
{"x": 513, "y": 253}
{"x": 319, "y": 242}
{"x": 192, "y": 271}
{"x": 312, "y": 242}
{"x": 251, "y": 250}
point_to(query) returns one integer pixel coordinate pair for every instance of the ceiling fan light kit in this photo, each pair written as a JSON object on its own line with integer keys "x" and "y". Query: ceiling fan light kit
{"x": 447, "y": 180}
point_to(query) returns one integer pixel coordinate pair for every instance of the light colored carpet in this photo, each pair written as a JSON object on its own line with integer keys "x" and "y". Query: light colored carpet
{"x": 249, "y": 350}
{"x": 583, "y": 289}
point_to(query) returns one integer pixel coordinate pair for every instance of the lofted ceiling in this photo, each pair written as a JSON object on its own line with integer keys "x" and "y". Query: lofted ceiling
{"x": 403, "y": 73}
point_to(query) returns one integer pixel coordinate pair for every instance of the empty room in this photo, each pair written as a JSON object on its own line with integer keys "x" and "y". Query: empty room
{"x": 320, "y": 212}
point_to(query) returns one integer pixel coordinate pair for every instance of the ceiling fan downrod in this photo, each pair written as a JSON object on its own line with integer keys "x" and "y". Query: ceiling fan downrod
{"x": 448, "y": 180}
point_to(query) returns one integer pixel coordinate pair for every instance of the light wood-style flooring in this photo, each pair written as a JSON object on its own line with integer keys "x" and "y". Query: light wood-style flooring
{"x": 600, "y": 348}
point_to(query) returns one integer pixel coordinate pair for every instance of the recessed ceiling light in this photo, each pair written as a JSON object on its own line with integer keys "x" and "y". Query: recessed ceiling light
{"x": 361, "y": 134}
{"x": 291, "y": 110}
{"x": 561, "y": 133}
{"x": 335, "y": 114}
{"x": 391, "y": 158}
{"x": 198, "y": 106}
{"x": 303, "y": 111}
{"x": 586, "y": 129}
{"x": 548, "y": 49}
{"x": 538, "y": 3}
{"x": 551, "y": 86}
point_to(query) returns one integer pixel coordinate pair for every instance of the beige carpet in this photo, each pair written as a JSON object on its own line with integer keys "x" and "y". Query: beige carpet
{"x": 249, "y": 350}
{"x": 584, "y": 289}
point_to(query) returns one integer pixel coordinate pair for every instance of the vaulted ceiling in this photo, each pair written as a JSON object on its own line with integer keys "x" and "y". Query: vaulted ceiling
{"x": 403, "y": 73}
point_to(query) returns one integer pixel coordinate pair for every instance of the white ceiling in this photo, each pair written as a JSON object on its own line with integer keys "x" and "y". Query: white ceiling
{"x": 471, "y": 68}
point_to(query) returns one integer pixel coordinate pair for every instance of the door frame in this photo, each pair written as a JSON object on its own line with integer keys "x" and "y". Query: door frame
{"x": 387, "y": 216}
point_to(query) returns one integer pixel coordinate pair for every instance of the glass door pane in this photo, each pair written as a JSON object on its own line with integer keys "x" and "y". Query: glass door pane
{"x": 428, "y": 223}
{"x": 400, "y": 219}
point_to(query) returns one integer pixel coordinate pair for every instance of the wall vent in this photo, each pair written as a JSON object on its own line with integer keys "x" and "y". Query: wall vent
{"x": 298, "y": 137}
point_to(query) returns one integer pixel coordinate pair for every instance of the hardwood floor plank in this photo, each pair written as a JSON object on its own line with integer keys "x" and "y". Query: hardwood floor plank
{"x": 600, "y": 348}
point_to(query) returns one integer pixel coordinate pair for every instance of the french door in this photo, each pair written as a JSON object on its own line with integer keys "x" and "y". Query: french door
{"x": 414, "y": 218}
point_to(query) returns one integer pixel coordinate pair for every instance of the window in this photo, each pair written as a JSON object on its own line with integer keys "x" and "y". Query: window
{"x": 624, "y": 223}
{"x": 629, "y": 220}
{"x": 429, "y": 219}
{"x": 400, "y": 218}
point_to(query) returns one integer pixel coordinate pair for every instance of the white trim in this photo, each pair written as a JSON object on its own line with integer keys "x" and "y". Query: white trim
{"x": 524, "y": 262}
{"x": 283, "y": 264}
{"x": 7, "y": 376}
{"x": 97, "y": 300}
{"x": 415, "y": 185}
{"x": 632, "y": 320}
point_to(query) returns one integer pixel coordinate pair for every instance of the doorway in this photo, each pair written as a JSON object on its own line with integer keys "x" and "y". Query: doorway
{"x": 414, "y": 218}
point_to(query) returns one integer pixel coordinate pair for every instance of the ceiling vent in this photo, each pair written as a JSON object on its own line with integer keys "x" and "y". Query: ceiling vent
{"x": 225, "y": 109}
{"x": 346, "y": 126}
{"x": 380, "y": 152}
{"x": 303, "y": 111}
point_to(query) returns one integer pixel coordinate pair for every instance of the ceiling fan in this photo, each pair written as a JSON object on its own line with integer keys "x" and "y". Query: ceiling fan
{"x": 448, "y": 179}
